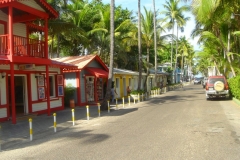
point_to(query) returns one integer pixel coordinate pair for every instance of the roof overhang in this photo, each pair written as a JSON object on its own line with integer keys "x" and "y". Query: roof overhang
{"x": 100, "y": 73}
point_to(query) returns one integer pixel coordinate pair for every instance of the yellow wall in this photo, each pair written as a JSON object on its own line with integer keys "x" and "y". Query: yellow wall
{"x": 122, "y": 89}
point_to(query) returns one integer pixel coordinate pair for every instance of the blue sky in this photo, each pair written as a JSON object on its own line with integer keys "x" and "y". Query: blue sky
{"x": 133, "y": 5}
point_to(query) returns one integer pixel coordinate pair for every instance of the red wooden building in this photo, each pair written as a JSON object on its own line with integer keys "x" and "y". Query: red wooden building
{"x": 29, "y": 81}
{"x": 89, "y": 79}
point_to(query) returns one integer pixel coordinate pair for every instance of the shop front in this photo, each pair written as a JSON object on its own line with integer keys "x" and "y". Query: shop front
{"x": 90, "y": 79}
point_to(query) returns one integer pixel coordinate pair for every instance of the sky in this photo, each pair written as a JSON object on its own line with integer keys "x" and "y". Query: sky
{"x": 132, "y": 5}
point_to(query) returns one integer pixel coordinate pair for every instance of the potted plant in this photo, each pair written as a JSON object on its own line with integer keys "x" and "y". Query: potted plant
{"x": 134, "y": 94}
{"x": 69, "y": 91}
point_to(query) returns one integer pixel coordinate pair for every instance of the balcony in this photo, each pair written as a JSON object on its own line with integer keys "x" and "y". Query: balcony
{"x": 22, "y": 47}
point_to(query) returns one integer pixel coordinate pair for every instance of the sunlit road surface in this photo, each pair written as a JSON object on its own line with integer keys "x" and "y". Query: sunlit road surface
{"x": 178, "y": 125}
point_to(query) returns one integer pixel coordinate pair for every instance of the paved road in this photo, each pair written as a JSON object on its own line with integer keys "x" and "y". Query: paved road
{"x": 178, "y": 125}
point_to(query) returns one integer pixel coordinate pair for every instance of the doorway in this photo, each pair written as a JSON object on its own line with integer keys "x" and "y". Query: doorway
{"x": 19, "y": 86}
{"x": 124, "y": 87}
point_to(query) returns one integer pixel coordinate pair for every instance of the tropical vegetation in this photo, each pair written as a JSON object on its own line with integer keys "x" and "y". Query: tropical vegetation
{"x": 138, "y": 42}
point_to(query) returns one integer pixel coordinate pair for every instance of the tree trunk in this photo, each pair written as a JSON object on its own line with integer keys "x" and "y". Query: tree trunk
{"x": 172, "y": 45}
{"x": 104, "y": 105}
{"x": 226, "y": 50}
{"x": 155, "y": 41}
{"x": 176, "y": 56}
{"x": 139, "y": 45}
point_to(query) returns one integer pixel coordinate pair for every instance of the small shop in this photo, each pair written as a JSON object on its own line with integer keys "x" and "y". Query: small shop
{"x": 124, "y": 79}
{"x": 89, "y": 80}
{"x": 30, "y": 82}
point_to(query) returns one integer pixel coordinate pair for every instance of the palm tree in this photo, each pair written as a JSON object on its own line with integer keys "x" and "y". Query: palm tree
{"x": 215, "y": 18}
{"x": 184, "y": 48}
{"x": 139, "y": 45}
{"x": 174, "y": 13}
{"x": 147, "y": 32}
{"x": 155, "y": 40}
{"x": 125, "y": 33}
{"x": 104, "y": 105}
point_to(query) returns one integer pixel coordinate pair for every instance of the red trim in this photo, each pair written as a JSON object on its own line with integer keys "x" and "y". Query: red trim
{"x": 31, "y": 10}
{"x": 98, "y": 59}
{"x": 42, "y": 3}
{"x": 85, "y": 88}
{"x": 63, "y": 91}
{"x": 49, "y": 7}
{"x": 24, "y": 18}
{"x": 3, "y": 119}
{"x": 39, "y": 28}
{"x": 97, "y": 72}
{"x": 78, "y": 88}
{"x": 47, "y": 90}
{"x": 10, "y": 27}
{"x": 7, "y": 96}
{"x": 29, "y": 89}
{"x": 13, "y": 94}
{"x": 95, "y": 88}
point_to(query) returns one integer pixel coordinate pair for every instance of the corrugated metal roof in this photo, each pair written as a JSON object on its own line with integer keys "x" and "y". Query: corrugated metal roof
{"x": 81, "y": 61}
{"x": 125, "y": 71}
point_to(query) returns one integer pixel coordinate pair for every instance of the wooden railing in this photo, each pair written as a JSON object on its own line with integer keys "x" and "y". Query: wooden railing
{"x": 3, "y": 44}
{"x": 22, "y": 46}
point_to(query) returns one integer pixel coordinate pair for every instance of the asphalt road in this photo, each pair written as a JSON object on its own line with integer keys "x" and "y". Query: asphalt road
{"x": 178, "y": 125}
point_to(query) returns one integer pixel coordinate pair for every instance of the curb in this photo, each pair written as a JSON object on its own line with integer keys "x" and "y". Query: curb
{"x": 236, "y": 101}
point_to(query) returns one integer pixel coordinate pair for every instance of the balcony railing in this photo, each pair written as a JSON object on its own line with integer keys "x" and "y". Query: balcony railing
{"x": 22, "y": 46}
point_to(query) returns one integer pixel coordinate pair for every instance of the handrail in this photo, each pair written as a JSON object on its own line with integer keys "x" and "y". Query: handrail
{"x": 22, "y": 46}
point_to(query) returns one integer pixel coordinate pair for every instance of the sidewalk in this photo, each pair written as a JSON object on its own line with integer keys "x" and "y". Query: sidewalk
{"x": 11, "y": 134}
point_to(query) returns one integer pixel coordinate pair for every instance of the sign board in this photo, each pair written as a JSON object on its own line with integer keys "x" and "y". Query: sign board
{"x": 26, "y": 66}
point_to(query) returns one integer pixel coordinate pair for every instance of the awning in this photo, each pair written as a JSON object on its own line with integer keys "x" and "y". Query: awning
{"x": 98, "y": 72}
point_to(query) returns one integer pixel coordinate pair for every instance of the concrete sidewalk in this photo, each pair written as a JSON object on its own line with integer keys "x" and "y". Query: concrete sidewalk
{"x": 16, "y": 133}
{"x": 11, "y": 134}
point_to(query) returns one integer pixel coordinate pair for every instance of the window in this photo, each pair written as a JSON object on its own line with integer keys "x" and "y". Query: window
{"x": 129, "y": 82}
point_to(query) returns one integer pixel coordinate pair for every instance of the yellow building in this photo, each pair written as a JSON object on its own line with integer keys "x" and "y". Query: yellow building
{"x": 123, "y": 78}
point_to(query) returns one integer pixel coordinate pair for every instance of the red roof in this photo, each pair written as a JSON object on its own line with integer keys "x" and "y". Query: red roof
{"x": 81, "y": 61}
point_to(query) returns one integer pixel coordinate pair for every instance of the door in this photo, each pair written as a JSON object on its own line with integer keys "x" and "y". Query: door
{"x": 19, "y": 86}
{"x": 124, "y": 87}
{"x": 117, "y": 88}
{"x": 90, "y": 88}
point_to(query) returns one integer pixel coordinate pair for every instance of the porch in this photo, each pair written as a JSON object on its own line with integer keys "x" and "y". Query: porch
{"x": 22, "y": 46}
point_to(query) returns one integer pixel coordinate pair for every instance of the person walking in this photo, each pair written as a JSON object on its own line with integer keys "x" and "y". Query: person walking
{"x": 128, "y": 90}
{"x": 113, "y": 93}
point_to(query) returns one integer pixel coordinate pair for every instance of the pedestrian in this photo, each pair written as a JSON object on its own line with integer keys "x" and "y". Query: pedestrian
{"x": 161, "y": 86}
{"x": 113, "y": 93}
{"x": 128, "y": 90}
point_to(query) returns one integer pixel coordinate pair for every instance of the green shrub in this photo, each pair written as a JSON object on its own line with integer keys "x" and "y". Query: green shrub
{"x": 69, "y": 91}
{"x": 234, "y": 86}
{"x": 154, "y": 88}
{"x": 136, "y": 92}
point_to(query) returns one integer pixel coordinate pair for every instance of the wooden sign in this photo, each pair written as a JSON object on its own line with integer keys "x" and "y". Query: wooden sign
{"x": 26, "y": 66}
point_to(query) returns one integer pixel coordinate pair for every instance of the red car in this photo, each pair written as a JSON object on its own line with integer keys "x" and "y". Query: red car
{"x": 217, "y": 86}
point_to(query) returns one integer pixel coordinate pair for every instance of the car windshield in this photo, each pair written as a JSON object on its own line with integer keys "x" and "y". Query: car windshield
{"x": 213, "y": 80}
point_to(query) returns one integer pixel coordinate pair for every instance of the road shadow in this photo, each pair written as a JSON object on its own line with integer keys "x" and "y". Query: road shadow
{"x": 49, "y": 135}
